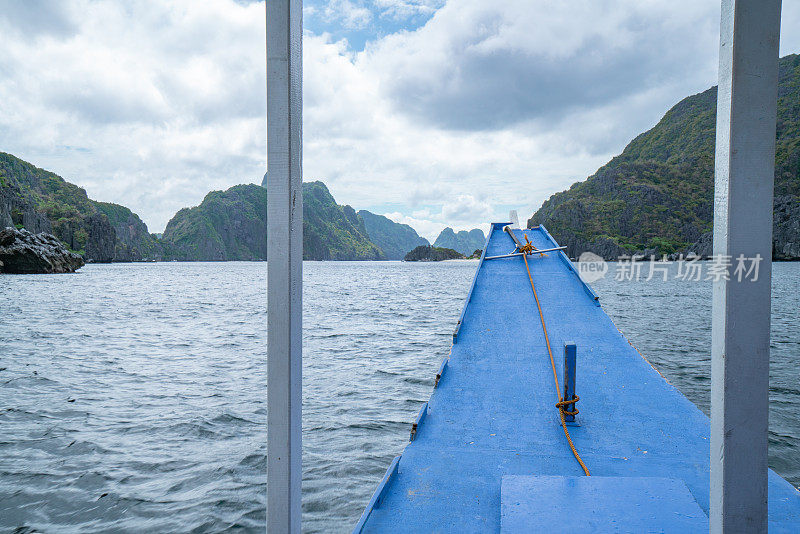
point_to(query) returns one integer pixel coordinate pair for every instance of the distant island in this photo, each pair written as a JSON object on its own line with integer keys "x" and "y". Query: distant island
{"x": 429, "y": 253}
{"x": 657, "y": 197}
{"x": 232, "y": 225}
{"x": 227, "y": 225}
{"x": 394, "y": 239}
{"x": 464, "y": 242}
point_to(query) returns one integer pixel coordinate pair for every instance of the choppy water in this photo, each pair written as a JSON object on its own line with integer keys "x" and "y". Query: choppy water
{"x": 133, "y": 396}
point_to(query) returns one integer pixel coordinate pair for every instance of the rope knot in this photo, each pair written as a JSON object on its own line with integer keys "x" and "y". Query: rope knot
{"x": 527, "y": 248}
{"x": 564, "y": 403}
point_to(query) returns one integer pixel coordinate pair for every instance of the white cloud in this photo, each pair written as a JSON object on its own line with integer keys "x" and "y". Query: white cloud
{"x": 425, "y": 227}
{"x": 349, "y": 14}
{"x": 489, "y": 106}
{"x": 460, "y": 214}
{"x": 480, "y": 65}
{"x": 466, "y": 208}
{"x": 402, "y": 9}
{"x": 502, "y": 102}
{"x": 148, "y": 104}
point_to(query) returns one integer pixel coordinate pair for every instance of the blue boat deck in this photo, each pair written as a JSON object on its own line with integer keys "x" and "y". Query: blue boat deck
{"x": 489, "y": 452}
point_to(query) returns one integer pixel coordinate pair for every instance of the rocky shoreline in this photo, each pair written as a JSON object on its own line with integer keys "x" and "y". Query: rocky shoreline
{"x": 785, "y": 239}
{"x": 785, "y": 247}
{"x": 22, "y": 252}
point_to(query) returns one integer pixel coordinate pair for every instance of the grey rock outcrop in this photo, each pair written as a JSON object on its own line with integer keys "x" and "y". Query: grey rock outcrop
{"x": 785, "y": 232}
{"x": 102, "y": 239}
{"x": 22, "y": 252}
{"x": 41, "y": 201}
{"x": 16, "y": 208}
{"x": 704, "y": 246}
{"x": 786, "y": 228}
{"x": 606, "y": 248}
{"x": 133, "y": 240}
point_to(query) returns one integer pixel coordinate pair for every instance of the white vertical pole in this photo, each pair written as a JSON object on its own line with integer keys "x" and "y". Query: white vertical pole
{"x": 285, "y": 263}
{"x": 744, "y": 176}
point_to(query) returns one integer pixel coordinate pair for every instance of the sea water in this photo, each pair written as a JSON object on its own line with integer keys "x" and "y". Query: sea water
{"x": 133, "y": 396}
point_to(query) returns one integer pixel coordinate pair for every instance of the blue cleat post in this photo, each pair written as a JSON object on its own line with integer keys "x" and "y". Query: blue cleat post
{"x": 570, "y": 357}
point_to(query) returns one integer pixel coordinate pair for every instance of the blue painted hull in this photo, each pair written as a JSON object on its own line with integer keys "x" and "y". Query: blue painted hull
{"x": 492, "y": 415}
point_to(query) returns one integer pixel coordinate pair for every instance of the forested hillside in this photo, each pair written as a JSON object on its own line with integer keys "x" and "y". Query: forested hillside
{"x": 657, "y": 196}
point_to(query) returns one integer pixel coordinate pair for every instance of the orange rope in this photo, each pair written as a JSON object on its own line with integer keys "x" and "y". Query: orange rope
{"x": 561, "y": 402}
{"x": 528, "y": 247}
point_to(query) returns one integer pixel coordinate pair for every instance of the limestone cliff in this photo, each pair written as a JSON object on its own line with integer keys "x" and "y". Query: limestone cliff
{"x": 656, "y": 197}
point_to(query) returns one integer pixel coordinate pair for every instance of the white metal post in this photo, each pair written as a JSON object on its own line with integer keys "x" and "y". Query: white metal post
{"x": 744, "y": 176}
{"x": 285, "y": 263}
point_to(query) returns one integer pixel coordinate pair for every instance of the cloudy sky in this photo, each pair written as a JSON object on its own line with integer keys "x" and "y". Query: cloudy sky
{"x": 433, "y": 112}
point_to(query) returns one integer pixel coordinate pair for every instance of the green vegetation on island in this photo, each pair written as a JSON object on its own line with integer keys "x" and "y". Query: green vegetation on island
{"x": 429, "y": 253}
{"x": 41, "y": 201}
{"x": 232, "y": 225}
{"x": 464, "y": 241}
{"x": 227, "y": 225}
{"x": 331, "y": 231}
{"x": 657, "y": 196}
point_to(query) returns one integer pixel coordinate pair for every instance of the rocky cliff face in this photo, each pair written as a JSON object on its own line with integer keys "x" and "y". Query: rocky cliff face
{"x": 394, "y": 239}
{"x": 786, "y": 228}
{"x": 101, "y": 239}
{"x": 611, "y": 213}
{"x": 133, "y": 240}
{"x": 41, "y": 201}
{"x": 464, "y": 242}
{"x": 657, "y": 196}
{"x": 331, "y": 231}
{"x": 22, "y": 252}
{"x": 17, "y": 207}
